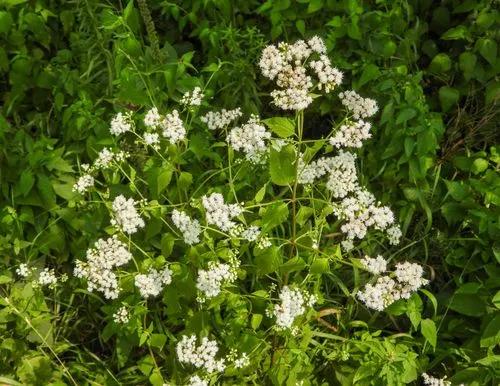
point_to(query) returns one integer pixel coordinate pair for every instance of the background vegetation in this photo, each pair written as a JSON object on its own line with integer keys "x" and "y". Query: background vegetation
{"x": 67, "y": 66}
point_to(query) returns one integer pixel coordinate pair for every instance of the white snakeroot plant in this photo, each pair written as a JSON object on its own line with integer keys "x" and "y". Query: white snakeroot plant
{"x": 152, "y": 283}
{"x": 254, "y": 204}
{"x": 125, "y": 215}
{"x": 433, "y": 381}
{"x": 190, "y": 228}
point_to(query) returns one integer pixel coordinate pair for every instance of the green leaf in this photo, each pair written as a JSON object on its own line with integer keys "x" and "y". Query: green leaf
{"x": 158, "y": 340}
{"x": 405, "y": 115}
{"x": 268, "y": 260}
{"x": 274, "y": 215}
{"x": 448, "y": 96}
{"x": 320, "y": 266}
{"x": 429, "y": 331}
{"x": 281, "y": 126}
{"x": 488, "y": 49}
{"x": 491, "y": 334}
{"x": 496, "y": 300}
{"x": 467, "y": 62}
{"x": 5, "y": 22}
{"x": 479, "y": 165}
{"x": 26, "y": 182}
{"x": 370, "y": 72}
{"x": 282, "y": 165}
{"x": 255, "y": 321}
{"x": 468, "y": 304}
{"x": 440, "y": 63}
{"x": 414, "y": 310}
{"x": 167, "y": 244}
{"x": 293, "y": 265}
{"x": 456, "y": 33}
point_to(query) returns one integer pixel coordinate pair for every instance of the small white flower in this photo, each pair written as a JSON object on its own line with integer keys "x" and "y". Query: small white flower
{"x": 83, "y": 183}
{"x": 210, "y": 281}
{"x": 351, "y": 134}
{"x": 193, "y": 98}
{"x": 219, "y": 213}
{"x": 23, "y": 270}
{"x": 195, "y": 380}
{"x": 360, "y": 107}
{"x": 202, "y": 356}
{"x": 121, "y": 123}
{"x": 152, "y": 139}
{"x": 173, "y": 127}
{"x": 190, "y": 228}
{"x": 152, "y": 284}
{"x": 47, "y": 278}
{"x": 152, "y": 119}
{"x": 432, "y": 381}
{"x": 250, "y": 138}
{"x": 242, "y": 361}
{"x": 220, "y": 119}
{"x": 121, "y": 315}
{"x": 374, "y": 265}
{"x": 293, "y": 304}
{"x": 394, "y": 234}
{"x": 125, "y": 215}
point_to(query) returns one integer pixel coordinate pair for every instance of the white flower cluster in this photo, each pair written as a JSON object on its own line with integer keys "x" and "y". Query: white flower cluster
{"x": 220, "y": 213}
{"x": 152, "y": 283}
{"x": 121, "y": 123}
{"x": 210, "y": 281}
{"x": 23, "y": 270}
{"x": 432, "y": 381}
{"x": 190, "y": 228}
{"x": 361, "y": 212}
{"x": 152, "y": 119}
{"x": 394, "y": 234}
{"x": 202, "y": 356}
{"x": 125, "y": 215}
{"x": 83, "y": 183}
{"x": 106, "y": 157}
{"x": 351, "y": 134}
{"x": 359, "y": 107}
{"x": 220, "y": 119}
{"x": 195, "y": 380}
{"x": 121, "y": 315}
{"x": 251, "y": 138}
{"x": 386, "y": 290}
{"x": 152, "y": 139}
{"x": 193, "y": 98}
{"x": 288, "y": 64}
{"x": 173, "y": 127}
{"x": 104, "y": 160}
{"x": 374, "y": 265}
{"x": 98, "y": 270}
{"x": 341, "y": 171}
{"x": 242, "y": 361}
{"x": 252, "y": 233}
{"x": 47, "y": 277}
{"x": 293, "y": 304}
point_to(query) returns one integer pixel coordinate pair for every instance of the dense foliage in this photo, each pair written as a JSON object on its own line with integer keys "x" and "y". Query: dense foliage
{"x": 68, "y": 67}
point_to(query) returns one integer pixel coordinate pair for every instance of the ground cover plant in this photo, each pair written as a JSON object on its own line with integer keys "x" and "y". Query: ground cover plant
{"x": 246, "y": 192}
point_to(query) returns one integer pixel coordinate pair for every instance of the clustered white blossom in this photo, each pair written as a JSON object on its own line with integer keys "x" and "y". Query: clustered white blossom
{"x": 125, "y": 215}
{"x": 121, "y": 123}
{"x": 374, "y": 265}
{"x": 251, "y": 138}
{"x": 288, "y": 64}
{"x": 220, "y": 119}
{"x": 195, "y": 380}
{"x": 202, "y": 356}
{"x": 152, "y": 119}
{"x": 173, "y": 127}
{"x": 152, "y": 139}
{"x": 432, "y": 381}
{"x": 83, "y": 183}
{"x": 23, "y": 270}
{"x": 190, "y": 228}
{"x": 220, "y": 213}
{"x": 47, "y": 277}
{"x": 293, "y": 304}
{"x": 394, "y": 234}
{"x": 359, "y": 107}
{"x": 210, "y": 281}
{"x": 152, "y": 283}
{"x": 242, "y": 361}
{"x": 121, "y": 315}
{"x": 351, "y": 134}
{"x": 193, "y": 98}
{"x": 386, "y": 290}
{"x": 98, "y": 269}
{"x": 361, "y": 211}
{"x": 106, "y": 157}
{"x": 252, "y": 233}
